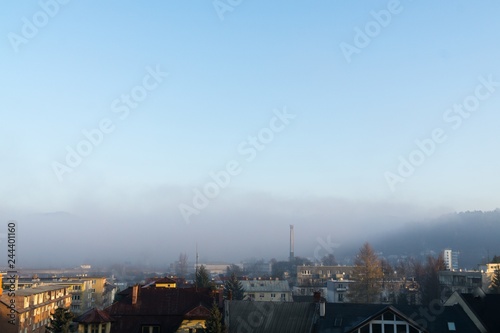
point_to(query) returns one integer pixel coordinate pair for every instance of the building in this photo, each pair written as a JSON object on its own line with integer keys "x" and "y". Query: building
{"x": 267, "y": 290}
{"x": 488, "y": 270}
{"x": 450, "y": 259}
{"x": 33, "y": 308}
{"x": 337, "y": 291}
{"x": 149, "y": 309}
{"x": 319, "y": 275}
{"x": 458, "y": 281}
{"x": 320, "y": 317}
{"x": 480, "y": 307}
{"x": 215, "y": 269}
{"x": 302, "y": 291}
{"x": 94, "y": 321}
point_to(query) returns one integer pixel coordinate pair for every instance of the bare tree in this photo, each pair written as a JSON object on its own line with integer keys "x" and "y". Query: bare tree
{"x": 182, "y": 265}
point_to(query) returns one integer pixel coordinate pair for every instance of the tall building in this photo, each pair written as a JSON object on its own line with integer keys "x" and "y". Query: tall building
{"x": 450, "y": 259}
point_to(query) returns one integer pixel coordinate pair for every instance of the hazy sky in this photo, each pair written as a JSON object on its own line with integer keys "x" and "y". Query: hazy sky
{"x": 332, "y": 115}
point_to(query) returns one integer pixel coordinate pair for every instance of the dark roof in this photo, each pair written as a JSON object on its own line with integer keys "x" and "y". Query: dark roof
{"x": 157, "y": 306}
{"x": 270, "y": 317}
{"x": 486, "y": 307}
{"x": 94, "y": 316}
{"x": 343, "y": 317}
{"x": 165, "y": 280}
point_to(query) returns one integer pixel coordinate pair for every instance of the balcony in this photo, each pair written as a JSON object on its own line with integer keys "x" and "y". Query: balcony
{"x": 340, "y": 289}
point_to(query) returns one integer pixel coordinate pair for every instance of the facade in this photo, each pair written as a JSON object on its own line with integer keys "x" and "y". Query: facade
{"x": 488, "y": 270}
{"x": 458, "y": 281}
{"x": 86, "y": 292}
{"x": 337, "y": 291}
{"x": 214, "y": 269}
{"x": 33, "y": 308}
{"x": 309, "y": 291}
{"x": 319, "y": 275}
{"x": 267, "y": 290}
{"x": 450, "y": 259}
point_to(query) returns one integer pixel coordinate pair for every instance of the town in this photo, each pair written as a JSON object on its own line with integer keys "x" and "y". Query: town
{"x": 295, "y": 295}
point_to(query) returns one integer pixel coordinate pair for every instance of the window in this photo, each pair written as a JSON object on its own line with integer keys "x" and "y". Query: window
{"x": 451, "y": 326}
{"x": 94, "y": 328}
{"x": 273, "y": 295}
{"x": 340, "y": 297}
{"x": 150, "y": 329}
{"x": 261, "y": 295}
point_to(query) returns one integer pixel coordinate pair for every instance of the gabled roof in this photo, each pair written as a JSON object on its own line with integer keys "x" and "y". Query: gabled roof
{"x": 165, "y": 280}
{"x": 393, "y": 311}
{"x": 269, "y": 317}
{"x": 94, "y": 316}
{"x": 480, "y": 306}
{"x": 198, "y": 312}
{"x": 344, "y": 317}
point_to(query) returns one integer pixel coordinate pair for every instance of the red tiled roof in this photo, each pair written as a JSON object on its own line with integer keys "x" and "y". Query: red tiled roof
{"x": 157, "y": 306}
{"x": 94, "y": 316}
{"x": 199, "y": 312}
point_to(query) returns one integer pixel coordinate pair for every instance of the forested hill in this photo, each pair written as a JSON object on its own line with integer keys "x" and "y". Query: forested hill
{"x": 476, "y": 235}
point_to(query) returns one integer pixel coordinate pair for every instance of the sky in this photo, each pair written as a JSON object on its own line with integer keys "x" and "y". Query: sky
{"x": 139, "y": 129}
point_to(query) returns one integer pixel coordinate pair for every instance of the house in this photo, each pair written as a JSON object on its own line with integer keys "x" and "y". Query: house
{"x": 94, "y": 320}
{"x": 376, "y": 318}
{"x": 29, "y": 309}
{"x": 481, "y": 308}
{"x": 151, "y": 309}
{"x": 267, "y": 290}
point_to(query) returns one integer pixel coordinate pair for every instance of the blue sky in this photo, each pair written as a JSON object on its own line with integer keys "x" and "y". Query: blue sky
{"x": 353, "y": 119}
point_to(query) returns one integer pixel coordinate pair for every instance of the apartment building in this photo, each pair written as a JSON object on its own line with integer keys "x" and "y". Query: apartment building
{"x": 267, "y": 290}
{"x": 28, "y": 310}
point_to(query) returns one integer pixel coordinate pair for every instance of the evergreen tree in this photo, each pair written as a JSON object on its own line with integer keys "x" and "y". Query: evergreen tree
{"x": 234, "y": 286}
{"x": 203, "y": 278}
{"x": 60, "y": 321}
{"x": 214, "y": 322}
{"x": 495, "y": 282}
{"x": 367, "y": 275}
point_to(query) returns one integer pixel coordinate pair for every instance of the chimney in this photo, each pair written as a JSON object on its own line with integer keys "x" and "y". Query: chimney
{"x": 322, "y": 308}
{"x": 317, "y": 297}
{"x": 135, "y": 292}
{"x": 291, "y": 243}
